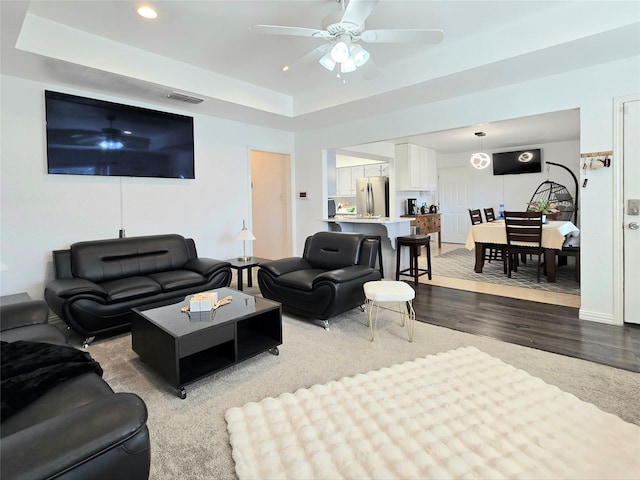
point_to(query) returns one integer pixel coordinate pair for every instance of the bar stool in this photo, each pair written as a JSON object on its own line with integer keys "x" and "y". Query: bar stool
{"x": 377, "y": 292}
{"x": 379, "y": 239}
{"x": 414, "y": 242}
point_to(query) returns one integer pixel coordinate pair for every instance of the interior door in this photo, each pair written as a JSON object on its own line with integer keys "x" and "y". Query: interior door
{"x": 270, "y": 199}
{"x": 631, "y": 188}
{"x": 454, "y": 188}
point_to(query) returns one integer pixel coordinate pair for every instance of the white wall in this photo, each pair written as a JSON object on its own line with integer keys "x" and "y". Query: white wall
{"x": 591, "y": 90}
{"x": 41, "y": 213}
{"x": 515, "y": 191}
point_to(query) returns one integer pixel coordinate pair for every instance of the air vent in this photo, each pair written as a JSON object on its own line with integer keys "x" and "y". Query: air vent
{"x": 184, "y": 98}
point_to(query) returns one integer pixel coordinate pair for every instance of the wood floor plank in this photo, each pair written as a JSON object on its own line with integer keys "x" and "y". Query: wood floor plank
{"x": 551, "y": 328}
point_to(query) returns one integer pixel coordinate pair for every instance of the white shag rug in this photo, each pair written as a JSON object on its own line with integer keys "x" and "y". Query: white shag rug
{"x": 459, "y": 414}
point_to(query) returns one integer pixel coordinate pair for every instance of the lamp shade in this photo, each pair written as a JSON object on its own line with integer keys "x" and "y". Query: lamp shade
{"x": 327, "y": 62}
{"x": 359, "y": 55}
{"x": 340, "y": 51}
{"x": 245, "y": 233}
{"x": 348, "y": 66}
{"x": 480, "y": 160}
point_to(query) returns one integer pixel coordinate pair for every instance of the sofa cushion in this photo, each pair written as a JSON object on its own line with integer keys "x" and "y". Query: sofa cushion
{"x": 176, "y": 279}
{"x": 104, "y": 260}
{"x": 130, "y": 287}
{"x": 44, "y": 333}
{"x": 328, "y": 250}
{"x": 300, "y": 279}
{"x": 71, "y": 394}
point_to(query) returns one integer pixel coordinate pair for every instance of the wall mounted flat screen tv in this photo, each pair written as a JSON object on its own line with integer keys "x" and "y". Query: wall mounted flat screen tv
{"x": 524, "y": 161}
{"x": 94, "y": 137}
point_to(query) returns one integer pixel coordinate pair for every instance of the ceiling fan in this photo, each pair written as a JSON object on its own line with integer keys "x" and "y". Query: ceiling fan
{"x": 344, "y": 30}
{"x": 108, "y": 138}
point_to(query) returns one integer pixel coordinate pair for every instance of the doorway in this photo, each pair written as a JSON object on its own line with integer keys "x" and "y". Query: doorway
{"x": 627, "y": 239}
{"x": 271, "y": 204}
{"x": 454, "y": 185}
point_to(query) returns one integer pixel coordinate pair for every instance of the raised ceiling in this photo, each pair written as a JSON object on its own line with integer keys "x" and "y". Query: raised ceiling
{"x": 206, "y": 49}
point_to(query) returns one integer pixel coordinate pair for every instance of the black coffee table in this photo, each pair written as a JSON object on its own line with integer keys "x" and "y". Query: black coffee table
{"x": 183, "y": 347}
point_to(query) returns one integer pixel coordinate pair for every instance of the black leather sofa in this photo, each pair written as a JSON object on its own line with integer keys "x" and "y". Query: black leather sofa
{"x": 76, "y": 429}
{"x": 327, "y": 280}
{"x": 97, "y": 283}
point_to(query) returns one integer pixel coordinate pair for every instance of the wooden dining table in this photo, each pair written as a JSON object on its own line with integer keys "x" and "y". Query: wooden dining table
{"x": 554, "y": 233}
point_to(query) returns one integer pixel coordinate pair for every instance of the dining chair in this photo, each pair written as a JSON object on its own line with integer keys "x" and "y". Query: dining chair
{"x": 491, "y": 252}
{"x": 524, "y": 236}
{"x": 476, "y": 217}
{"x": 489, "y": 215}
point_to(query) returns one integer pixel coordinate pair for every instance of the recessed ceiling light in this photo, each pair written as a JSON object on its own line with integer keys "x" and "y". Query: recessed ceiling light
{"x": 285, "y": 68}
{"x": 147, "y": 12}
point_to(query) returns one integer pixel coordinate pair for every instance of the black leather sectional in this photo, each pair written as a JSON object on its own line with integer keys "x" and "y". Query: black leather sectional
{"x": 97, "y": 283}
{"x": 327, "y": 280}
{"x": 76, "y": 427}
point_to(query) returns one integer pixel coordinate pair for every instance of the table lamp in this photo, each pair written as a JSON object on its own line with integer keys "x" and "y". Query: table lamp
{"x": 245, "y": 235}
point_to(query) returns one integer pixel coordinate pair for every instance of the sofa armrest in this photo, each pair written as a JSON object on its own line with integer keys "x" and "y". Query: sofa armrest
{"x": 285, "y": 265}
{"x": 66, "y": 287}
{"x": 205, "y": 266}
{"x": 345, "y": 274}
{"x": 21, "y": 314}
{"x": 88, "y": 431}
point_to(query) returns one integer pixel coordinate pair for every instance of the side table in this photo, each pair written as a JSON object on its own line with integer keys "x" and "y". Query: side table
{"x": 240, "y": 265}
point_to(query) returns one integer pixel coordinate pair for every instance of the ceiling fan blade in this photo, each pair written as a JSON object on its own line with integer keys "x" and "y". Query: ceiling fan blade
{"x": 357, "y": 11}
{"x": 369, "y": 70}
{"x": 295, "y": 31}
{"x": 313, "y": 55}
{"x": 402, "y": 36}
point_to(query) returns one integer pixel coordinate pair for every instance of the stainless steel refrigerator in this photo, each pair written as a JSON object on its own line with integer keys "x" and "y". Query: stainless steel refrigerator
{"x": 372, "y": 196}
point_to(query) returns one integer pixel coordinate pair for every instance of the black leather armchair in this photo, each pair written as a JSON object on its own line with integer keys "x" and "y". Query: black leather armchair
{"x": 327, "y": 280}
{"x": 78, "y": 428}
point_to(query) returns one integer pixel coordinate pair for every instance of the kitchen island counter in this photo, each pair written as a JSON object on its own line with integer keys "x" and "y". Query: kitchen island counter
{"x": 387, "y": 228}
{"x": 356, "y": 219}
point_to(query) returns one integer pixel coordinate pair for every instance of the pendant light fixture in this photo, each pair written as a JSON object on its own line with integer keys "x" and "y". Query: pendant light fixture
{"x": 480, "y": 160}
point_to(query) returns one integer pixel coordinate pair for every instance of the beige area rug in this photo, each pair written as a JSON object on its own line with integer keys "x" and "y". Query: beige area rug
{"x": 189, "y": 438}
{"x": 459, "y": 263}
{"x": 460, "y": 414}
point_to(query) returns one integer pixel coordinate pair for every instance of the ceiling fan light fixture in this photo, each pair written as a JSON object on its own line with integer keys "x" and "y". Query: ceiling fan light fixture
{"x": 340, "y": 51}
{"x": 349, "y": 65}
{"x": 327, "y": 62}
{"x": 359, "y": 55}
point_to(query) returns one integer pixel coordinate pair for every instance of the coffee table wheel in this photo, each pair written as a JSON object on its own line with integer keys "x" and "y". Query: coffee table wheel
{"x": 182, "y": 393}
{"x": 274, "y": 351}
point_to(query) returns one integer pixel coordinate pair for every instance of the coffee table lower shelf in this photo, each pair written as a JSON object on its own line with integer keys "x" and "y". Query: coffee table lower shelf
{"x": 182, "y": 351}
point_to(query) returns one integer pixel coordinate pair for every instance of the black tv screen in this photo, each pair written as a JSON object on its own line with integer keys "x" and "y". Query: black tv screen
{"x": 523, "y": 161}
{"x": 94, "y": 137}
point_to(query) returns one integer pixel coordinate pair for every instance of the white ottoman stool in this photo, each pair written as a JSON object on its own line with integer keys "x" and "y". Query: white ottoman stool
{"x": 390, "y": 291}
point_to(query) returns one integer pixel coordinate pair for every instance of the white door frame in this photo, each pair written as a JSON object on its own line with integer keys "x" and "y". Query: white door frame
{"x": 290, "y": 205}
{"x": 618, "y": 197}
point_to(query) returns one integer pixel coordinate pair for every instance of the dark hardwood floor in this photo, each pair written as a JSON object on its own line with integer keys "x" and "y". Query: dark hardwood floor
{"x": 551, "y": 328}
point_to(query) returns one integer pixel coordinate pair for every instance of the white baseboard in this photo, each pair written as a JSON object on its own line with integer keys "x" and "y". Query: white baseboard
{"x": 596, "y": 317}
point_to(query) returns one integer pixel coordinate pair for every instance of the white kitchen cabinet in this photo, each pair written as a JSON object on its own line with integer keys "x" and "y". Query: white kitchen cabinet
{"x": 376, "y": 170}
{"x": 346, "y": 180}
{"x": 372, "y": 170}
{"x": 415, "y": 168}
{"x": 356, "y": 172}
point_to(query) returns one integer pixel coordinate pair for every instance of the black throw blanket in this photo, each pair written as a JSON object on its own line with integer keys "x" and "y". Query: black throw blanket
{"x": 29, "y": 369}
